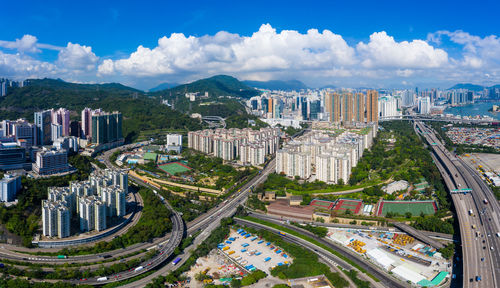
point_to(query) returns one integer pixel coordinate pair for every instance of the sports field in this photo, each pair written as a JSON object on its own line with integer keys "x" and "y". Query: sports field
{"x": 401, "y": 207}
{"x": 173, "y": 168}
{"x": 348, "y": 204}
{"x": 322, "y": 204}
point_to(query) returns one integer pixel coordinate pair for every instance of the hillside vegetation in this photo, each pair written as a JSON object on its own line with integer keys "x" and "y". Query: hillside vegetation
{"x": 220, "y": 85}
{"x": 140, "y": 112}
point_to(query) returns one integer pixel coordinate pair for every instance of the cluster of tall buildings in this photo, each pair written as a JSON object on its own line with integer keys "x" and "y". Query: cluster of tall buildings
{"x": 325, "y": 154}
{"x": 100, "y": 127}
{"x": 93, "y": 201}
{"x": 21, "y": 140}
{"x": 341, "y": 106}
{"x": 249, "y": 146}
{"x": 348, "y": 108}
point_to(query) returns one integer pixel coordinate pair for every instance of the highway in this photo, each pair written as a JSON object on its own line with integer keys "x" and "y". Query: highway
{"x": 164, "y": 252}
{"x": 385, "y": 279}
{"x": 210, "y": 221}
{"x": 477, "y": 229}
{"x": 435, "y": 235}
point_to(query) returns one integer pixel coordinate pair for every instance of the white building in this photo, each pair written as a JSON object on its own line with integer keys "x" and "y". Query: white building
{"x": 51, "y": 162}
{"x": 388, "y": 106}
{"x": 9, "y": 186}
{"x": 56, "y": 131}
{"x": 424, "y": 105}
{"x": 228, "y": 143}
{"x": 328, "y": 156}
{"x": 55, "y": 219}
{"x": 174, "y": 143}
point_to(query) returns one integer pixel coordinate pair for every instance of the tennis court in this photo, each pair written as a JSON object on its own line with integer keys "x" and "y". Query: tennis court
{"x": 348, "y": 204}
{"x": 322, "y": 204}
{"x": 173, "y": 168}
{"x": 402, "y": 207}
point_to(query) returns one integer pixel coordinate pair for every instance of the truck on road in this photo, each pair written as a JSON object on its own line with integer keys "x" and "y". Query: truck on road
{"x": 62, "y": 256}
{"x": 102, "y": 279}
{"x": 138, "y": 269}
{"x": 471, "y": 213}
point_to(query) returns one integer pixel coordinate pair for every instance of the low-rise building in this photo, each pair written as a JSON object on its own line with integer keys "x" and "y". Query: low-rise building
{"x": 50, "y": 162}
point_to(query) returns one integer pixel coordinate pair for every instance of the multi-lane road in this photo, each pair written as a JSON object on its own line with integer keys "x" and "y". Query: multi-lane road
{"x": 478, "y": 219}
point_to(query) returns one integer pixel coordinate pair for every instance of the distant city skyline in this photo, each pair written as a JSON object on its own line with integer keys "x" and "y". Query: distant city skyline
{"x": 361, "y": 44}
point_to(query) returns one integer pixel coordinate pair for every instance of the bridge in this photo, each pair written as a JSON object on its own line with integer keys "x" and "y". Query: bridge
{"x": 437, "y": 119}
{"x": 214, "y": 121}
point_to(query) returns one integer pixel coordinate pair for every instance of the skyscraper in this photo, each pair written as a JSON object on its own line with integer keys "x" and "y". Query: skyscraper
{"x": 87, "y": 122}
{"x": 56, "y": 131}
{"x": 43, "y": 122}
{"x": 347, "y": 107}
{"x": 359, "y": 107}
{"x": 371, "y": 106}
{"x": 106, "y": 127}
{"x": 61, "y": 117}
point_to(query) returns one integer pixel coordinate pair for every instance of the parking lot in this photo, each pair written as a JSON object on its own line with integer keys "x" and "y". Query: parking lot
{"x": 251, "y": 252}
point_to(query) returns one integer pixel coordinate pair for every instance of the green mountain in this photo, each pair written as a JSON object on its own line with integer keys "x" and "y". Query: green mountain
{"x": 163, "y": 86}
{"x": 140, "y": 112}
{"x": 220, "y": 85}
{"x": 277, "y": 85}
{"x": 467, "y": 86}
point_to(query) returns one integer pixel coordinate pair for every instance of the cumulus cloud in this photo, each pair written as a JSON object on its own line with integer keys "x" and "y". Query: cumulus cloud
{"x": 77, "y": 58}
{"x": 316, "y": 57}
{"x": 19, "y": 65}
{"x": 477, "y": 52}
{"x": 263, "y": 51}
{"x": 384, "y": 51}
{"x": 72, "y": 60}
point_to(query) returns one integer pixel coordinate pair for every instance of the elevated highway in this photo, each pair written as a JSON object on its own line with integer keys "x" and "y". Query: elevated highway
{"x": 386, "y": 279}
{"x": 478, "y": 221}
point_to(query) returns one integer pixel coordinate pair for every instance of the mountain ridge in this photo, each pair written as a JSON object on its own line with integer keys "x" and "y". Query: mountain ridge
{"x": 219, "y": 85}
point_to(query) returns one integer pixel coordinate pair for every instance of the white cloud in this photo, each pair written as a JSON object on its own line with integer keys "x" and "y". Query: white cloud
{"x": 28, "y": 43}
{"x": 263, "y": 51}
{"x": 77, "y": 58}
{"x": 74, "y": 59}
{"x": 19, "y": 65}
{"x": 477, "y": 52}
{"x": 383, "y": 51}
{"x": 315, "y": 57}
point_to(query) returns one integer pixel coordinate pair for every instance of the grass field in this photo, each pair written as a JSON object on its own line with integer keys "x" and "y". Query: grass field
{"x": 402, "y": 207}
{"x": 174, "y": 168}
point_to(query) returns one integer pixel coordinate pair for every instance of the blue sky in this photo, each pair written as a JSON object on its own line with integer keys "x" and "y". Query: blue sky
{"x": 104, "y": 36}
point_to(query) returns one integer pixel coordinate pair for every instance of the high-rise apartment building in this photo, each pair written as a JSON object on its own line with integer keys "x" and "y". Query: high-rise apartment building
{"x": 371, "y": 106}
{"x": 106, "y": 127}
{"x": 61, "y": 117}
{"x": 347, "y": 108}
{"x": 359, "y": 107}
{"x": 43, "y": 123}
{"x": 56, "y": 131}
{"x": 55, "y": 219}
{"x": 9, "y": 186}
